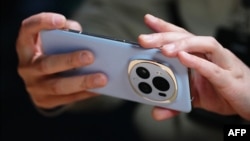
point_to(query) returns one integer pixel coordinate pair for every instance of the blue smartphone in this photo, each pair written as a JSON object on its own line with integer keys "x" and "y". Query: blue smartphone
{"x": 134, "y": 73}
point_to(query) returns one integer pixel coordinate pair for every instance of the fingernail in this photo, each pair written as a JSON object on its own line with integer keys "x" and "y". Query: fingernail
{"x": 58, "y": 20}
{"x": 85, "y": 58}
{"x": 169, "y": 47}
{"x": 151, "y": 17}
{"x": 99, "y": 80}
{"x": 147, "y": 37}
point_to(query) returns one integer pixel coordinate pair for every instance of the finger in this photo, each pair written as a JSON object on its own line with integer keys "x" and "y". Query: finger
{"x": 208, "y": 46}
{"x": 27, "y": 42}
{"x": 62, "y": 62}
{"x": 162, "y": 114}
{"x": 160, "y": 39}
{"x": 216, "y": 75}
{"x": 70, "y": 85}
{"x": 53, "y": 101}
{"x": 34, "y": 24}
{"x": 71, "y": 24}
{"x": 159, "y": 25}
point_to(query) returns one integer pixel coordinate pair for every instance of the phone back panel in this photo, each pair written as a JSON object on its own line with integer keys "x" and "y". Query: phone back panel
{"x": 112, "y": 58}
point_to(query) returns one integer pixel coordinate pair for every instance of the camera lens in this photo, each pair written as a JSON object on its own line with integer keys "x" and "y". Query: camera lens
{"x": 145, "y": 87}
{"x": 142, "y": 72}
{"x": 161, "y": 84}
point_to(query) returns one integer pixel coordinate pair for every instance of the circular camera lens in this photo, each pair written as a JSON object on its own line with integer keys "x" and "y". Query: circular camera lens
{"x": 145, "y": 87}
{"x": 142, "y": 72}
{"x": 161, "y": 83}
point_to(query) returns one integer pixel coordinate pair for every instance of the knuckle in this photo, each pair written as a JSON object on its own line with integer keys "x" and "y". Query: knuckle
{"x": 43, "y": 66}
{"x": 214, "y": 43}
{"x": 55, "y": 87}
{"x": 70, "y": 60}
{"x": 41, "y": 99}
{"x": 162, "y": 37}
{"x": 44, "y": 102}
{"x": 39, "y": 102}
{"x": 182, "y": 30}
{"x": 20, "y": 71}
{"x": 27, "y": 78}
{"x": 86, "y": 83}
{"x": 182, "y": 44}
{"x": 217, "y": 71}
{"x": 159, "y": 38}
{"x": 211, "y": 39}
{"x": 30, "y": 91}
{"x": 43, "y": 15}
{"x": 238, "y": 73}
{"x": 24, "y": 22}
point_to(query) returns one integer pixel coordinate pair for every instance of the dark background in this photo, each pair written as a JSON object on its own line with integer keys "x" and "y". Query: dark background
{"x": 19, "y": 119}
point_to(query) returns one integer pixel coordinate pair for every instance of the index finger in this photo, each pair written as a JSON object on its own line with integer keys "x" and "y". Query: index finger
{"x": 34, "y": 24}
{"x": 159, "y": 25}
{"x": 27, "y": 43}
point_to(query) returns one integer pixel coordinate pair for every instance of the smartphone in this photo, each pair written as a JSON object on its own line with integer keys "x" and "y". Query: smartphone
{"x": 134, "y": 73}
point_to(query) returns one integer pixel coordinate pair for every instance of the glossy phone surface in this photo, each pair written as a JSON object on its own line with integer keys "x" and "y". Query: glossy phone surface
{"x": 134, "y": 73}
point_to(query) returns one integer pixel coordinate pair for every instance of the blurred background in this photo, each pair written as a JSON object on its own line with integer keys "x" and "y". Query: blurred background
{"x": 21, "y": 121}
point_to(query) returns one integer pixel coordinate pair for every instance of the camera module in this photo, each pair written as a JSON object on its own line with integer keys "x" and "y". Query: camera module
{"x": 161, "y": 83}
{"x": 143, "y": 72}
{"x": 145, "y": 87}
{"x": 152, "y": 80}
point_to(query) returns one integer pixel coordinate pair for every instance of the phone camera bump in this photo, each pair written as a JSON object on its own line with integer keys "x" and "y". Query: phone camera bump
{"x": 145, "y": 87}
{"x": 161, "y": 83}
{"x": 142, "y": 72}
